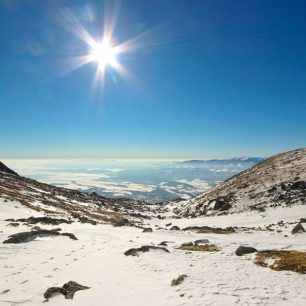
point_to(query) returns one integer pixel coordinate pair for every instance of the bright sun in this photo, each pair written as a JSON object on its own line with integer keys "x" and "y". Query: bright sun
{"x": 103, "y": 54}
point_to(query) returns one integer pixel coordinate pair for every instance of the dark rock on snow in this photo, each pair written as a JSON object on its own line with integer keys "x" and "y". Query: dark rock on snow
{"x": 68, "y": 290}
{"x": 143, "y": 249}
{"x": 179, "y": 280}
{"x": 147, "y": 230}
{"x": 29, "y": 236}
{"x": 242, "y": 250}
{"x": 298, "y": 229}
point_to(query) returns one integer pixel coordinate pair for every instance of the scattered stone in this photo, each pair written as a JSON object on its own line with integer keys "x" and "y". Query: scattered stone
{"x": 164, "y": 243}
{"x": 147, "y": 230}
{"x": 5, "y": 291}
{"x": 44, "y": 220}
{"x": 168, "y": 224}
{"x": 29, "y": 236}
{"x": 13, "y": 224}
{"x": 179, "y": 280}
{"x": 242, "y": 250}
{"x": 298, "y": 229}
{"x": 201, "y": 241}
{"x": 143, "y": 249}
{"x": 68, "y": 290}
{"x": 175, "y": 228}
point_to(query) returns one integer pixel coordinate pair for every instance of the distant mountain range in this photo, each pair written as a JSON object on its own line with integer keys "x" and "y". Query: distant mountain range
{"x": 244, "y": 160}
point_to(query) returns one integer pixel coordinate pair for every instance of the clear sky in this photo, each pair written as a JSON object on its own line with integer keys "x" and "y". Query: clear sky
{"x": 201, "y": 79}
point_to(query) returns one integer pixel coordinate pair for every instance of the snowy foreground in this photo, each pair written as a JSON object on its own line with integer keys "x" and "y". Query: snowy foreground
{"x": 97, "y": 260}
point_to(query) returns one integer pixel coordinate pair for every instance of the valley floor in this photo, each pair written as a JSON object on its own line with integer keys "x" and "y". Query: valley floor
{"x": 97, "y": 260}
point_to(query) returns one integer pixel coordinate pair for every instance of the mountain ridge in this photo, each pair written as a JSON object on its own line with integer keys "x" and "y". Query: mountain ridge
{"x": 276, "y": 181}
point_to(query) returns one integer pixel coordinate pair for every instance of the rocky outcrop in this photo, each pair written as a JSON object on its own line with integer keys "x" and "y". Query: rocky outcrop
{"x": 68, "y": 290}
{"x": 144, "y": 249}
{"x": 29, "y": 236}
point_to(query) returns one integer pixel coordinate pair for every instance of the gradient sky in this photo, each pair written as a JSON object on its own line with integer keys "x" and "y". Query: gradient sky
{"x": 209, "y": 79}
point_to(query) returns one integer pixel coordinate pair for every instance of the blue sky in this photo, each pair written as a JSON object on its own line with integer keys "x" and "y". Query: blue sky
{"x": 209, "y": 79}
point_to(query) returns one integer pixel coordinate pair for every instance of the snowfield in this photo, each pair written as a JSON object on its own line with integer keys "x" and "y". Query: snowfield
{"x": 97, "y": 260}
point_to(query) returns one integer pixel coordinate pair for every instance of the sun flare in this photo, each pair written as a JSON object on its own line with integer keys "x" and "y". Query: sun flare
{"x": 103, "y": 54}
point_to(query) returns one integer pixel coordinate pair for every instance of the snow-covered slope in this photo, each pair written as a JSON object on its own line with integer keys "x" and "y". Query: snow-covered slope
{"x": 97, "y": 257}
{"x": 67, "y": 203}
{"x": 277, "y": 181}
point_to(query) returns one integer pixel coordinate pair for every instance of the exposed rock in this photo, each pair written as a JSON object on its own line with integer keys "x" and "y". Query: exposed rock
{"x": 179, "y": 280}
{"x": 29, "y": 236}
{"x": 174, "y": 228}
{"x": 68, "y": 290}
{"x": 201, "y": 241}
{"x": 279, "y": 181}
{"x": 4, "y": 168}
{"x": 13, "y": 224}
{"x": 36, "y": 228}
{"x": 44, "y": 220}
{"x": 164, "y": 243}
{"x": 147, "y": 230}
{"x": 168, "y": 224}
{"x": 211, "y": 230}
{"x": 143, "y": 249}
{"x": 186, "y": 244}
{"x": 242, "y": 250}
{"x": 298, "y": 229}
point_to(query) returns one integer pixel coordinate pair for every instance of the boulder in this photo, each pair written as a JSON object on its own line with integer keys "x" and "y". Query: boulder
{"x": 147, "y": 230}
{"x": 298, "y": 229}
{"x": 143, "y": 249}
{"x": 179, "y": 280}
{"x": 242, "y": 250}
{"x": 201, "y": 241}
{"x": 68, "y": 290}
{"x": 174, "y": 228}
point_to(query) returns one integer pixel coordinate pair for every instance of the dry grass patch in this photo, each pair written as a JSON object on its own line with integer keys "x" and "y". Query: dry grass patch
{"x": 200, "y": 248}
{"x": 282, "y": 260}
{"x": 210, "y": 230}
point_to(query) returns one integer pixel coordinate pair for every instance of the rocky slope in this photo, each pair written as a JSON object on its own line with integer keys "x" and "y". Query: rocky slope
{"x": 277, "y": 181}
{"x": 67, "y": 203}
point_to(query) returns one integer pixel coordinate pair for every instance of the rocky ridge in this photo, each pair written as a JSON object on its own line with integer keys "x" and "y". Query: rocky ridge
{"x": 277, "y": 181}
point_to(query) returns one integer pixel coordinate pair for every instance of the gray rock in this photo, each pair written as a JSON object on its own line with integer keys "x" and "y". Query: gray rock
{"x": 143, "y": 249}
{"x": 179, "y": 280}
{"x": 242, "y": 250}
{"x": 298, "y": 229}
{"x": 68, "y": 290}
{"x": 29, "y": 236}
{"x": 147, "y": 230}
{"x": 201, "y": 241}
{"x": 174, "y": 228}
